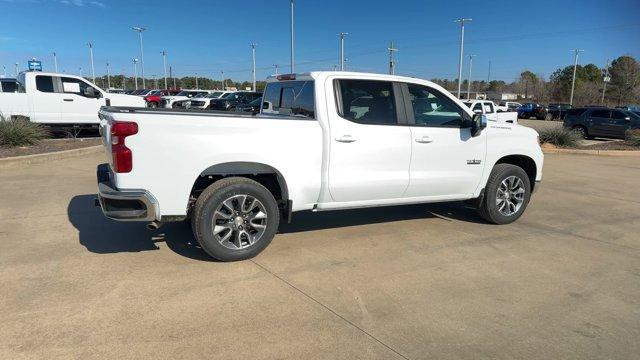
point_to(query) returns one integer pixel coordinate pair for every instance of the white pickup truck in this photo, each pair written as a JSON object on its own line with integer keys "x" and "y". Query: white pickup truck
{"x": 60, "y": 100}
{"x": 330, "y": 140}
{"x": 492, "y": 111}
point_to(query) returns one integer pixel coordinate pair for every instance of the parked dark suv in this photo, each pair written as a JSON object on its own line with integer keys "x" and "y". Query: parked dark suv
{"x": 591, "y": 122}
{"x": 230, "y": 101}
{"x": 529, "y": 110}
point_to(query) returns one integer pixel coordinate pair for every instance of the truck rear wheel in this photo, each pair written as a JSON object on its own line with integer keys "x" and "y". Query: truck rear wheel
{"x": 506, "y": 195}
{"x": 235, "y": 219}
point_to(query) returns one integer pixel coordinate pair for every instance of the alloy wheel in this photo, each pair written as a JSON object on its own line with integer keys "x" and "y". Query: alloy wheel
{"x": 510, "y": 195}
{"x": 239, "y": 222}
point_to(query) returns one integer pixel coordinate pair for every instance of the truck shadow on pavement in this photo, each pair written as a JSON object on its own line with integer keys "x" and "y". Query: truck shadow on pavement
{"x": 101, "y": 235}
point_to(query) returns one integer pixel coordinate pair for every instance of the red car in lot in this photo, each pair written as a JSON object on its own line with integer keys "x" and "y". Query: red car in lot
{"x": 153, "y": 99}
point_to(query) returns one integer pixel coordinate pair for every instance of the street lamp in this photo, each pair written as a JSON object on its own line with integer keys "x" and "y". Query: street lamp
{"x": 253, "y": 70}
{"x": 135, "y": 72}
{"x": 140, "y": 30}
{"x": 342, "y": 59}
{"x": 461, "y": 21}
{"x": 469, "y": 77}
{"x": 55, "y": 61}
{"x": 93, "y": 72}
{"x": 164, "y": 64}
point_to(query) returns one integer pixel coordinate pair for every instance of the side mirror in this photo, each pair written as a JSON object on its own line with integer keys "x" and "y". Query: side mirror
{"x": 478, "y": 124}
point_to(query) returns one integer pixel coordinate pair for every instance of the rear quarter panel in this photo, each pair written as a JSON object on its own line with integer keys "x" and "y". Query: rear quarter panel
{"x": 170, "y": 152}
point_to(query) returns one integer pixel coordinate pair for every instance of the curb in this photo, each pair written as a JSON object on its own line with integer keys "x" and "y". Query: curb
{"x": 626, "y": 153}
{"x": 41, "y": 158}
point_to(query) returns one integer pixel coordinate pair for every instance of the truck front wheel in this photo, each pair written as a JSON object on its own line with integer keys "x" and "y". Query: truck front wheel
{"x": 506, "y": 195}
{"x": 235, "y": 219}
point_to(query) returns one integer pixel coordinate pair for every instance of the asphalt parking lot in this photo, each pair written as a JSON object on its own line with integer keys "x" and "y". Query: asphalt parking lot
{"x": 417, "y": 282}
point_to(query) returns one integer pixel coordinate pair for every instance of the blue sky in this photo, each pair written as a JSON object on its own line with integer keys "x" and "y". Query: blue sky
{"x": 208, "y": 36}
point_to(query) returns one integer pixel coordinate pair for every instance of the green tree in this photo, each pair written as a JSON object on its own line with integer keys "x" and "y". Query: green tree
{"x": 625, "y": 79}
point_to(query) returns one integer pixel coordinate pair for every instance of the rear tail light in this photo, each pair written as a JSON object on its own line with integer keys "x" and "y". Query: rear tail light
{"x": 122, "y": 155}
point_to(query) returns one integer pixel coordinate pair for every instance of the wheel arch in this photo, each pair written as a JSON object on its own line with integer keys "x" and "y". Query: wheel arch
{"x": 525, "y": 162}
{"x": 266, "y": 175}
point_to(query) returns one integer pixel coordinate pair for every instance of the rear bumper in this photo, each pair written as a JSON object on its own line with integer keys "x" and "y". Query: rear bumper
{"x": 124, "y": 205}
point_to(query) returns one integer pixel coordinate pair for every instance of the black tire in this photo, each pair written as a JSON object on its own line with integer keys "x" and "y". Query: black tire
{"x": 548, "y": 117}
{"x": 582, "y": 131}
{"x": 489, "y": 209}
{"x": 212, "y": 198}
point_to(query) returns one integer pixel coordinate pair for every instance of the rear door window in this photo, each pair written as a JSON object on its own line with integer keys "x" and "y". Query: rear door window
{"x": 618, "y": 115}
{"x": 367, "y": 101}
{"x": 44, "y": 83}
{"x": 290, "y": 98}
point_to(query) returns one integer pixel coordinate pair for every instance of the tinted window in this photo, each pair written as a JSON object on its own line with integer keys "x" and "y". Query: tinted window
{"x": 477, "y": 106}
{"x": 618, "y": 115}
{"x": 44, "y": 83}
{"x": 488, "y": 108}
{"x": 431, "y": 108}
{"x": 365, "y": 101}
{"x": 576, "y": 112}
{"x": 10, "y": 87}
{"x": 290, "y": 98}
{"x": 600, "y": 113}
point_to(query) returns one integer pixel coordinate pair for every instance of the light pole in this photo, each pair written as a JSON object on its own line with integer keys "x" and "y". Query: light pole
{"x": 81, "y": 72}
{"x": 93, "y": 71}
{"x": 293, "y": 63}
{"x": 55, "y": 61}
{"x": 489, "y": 73}
{"x": 4, "y": 71}
{"x": 108, "y": 77}
{"x": 575, "y": 67}
{"x": 164, "y": 64}
{"x": 253, "y": 58}
{"x": 469, "y": 77}
{"x": 392, "y": 62}
{"x": 140, "y": 30}
{"x": 342, "y": 36}
{"x": 197, "y": 82}
{"x": 605, "y": 80}
{"x": 16, "y": 69}
{"x": 135, "y": 72}
{"x": 222, "y": 80}
{"x": 461, "y": 21}
{"x": 276, "y": 68}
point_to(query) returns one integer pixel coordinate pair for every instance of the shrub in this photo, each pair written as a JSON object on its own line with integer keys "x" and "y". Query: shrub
{"x": 19, "y": 131}
{"x": 632, "y": 137}
{"x": 560, "y": 137}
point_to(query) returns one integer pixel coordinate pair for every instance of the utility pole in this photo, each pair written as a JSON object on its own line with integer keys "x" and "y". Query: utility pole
{"x": 293, "y": 63}
{"x": 605, "y": 80}
{"x": 253, "y": 70}
{"x": 135, "y": 72}
{"x": 108, "y": 77}
{"x": 197, "y": 87}
{"x": 164, "y": 64}
{"x": 140, "y": 30}
{"x": 342, "y": 36}
{"x": 469, "y": 77}
{"x": 171, "y": 76}
{"x": 461, "y": 21}
{"x": 575, "y": 67}
{"x": 392, "y": 62}
{"x": 16, "y": 69}
{"x": 93, "y": 70}
{"x": 276, "y": 68}
{"x": 224, "y": 85}
{"x": 55, "y": 61}
{"x": 489, "y": 73}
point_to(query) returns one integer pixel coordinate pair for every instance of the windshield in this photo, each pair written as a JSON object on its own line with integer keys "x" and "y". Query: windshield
{"x": 183, "y": 93}
{"x": 227, "y": 96}
{"x": 467, "y": 103}
{"x": 215, "y": 95}
{"x": 144, "y": 92}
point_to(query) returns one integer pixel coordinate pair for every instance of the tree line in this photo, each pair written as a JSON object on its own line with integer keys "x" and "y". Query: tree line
{"x": 623, "y": 87}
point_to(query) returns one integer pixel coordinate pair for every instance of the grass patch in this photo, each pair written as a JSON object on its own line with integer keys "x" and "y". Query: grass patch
{"x": 560, "y": 137}
{"x": 632, "y": 137}
{"x": 19, "y": 131}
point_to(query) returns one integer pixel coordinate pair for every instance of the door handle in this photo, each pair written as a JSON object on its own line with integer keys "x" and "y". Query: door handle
{"x": 424, "y": 139}
{"x": 346, "y": 139}
{"x": 68, "y": 99}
